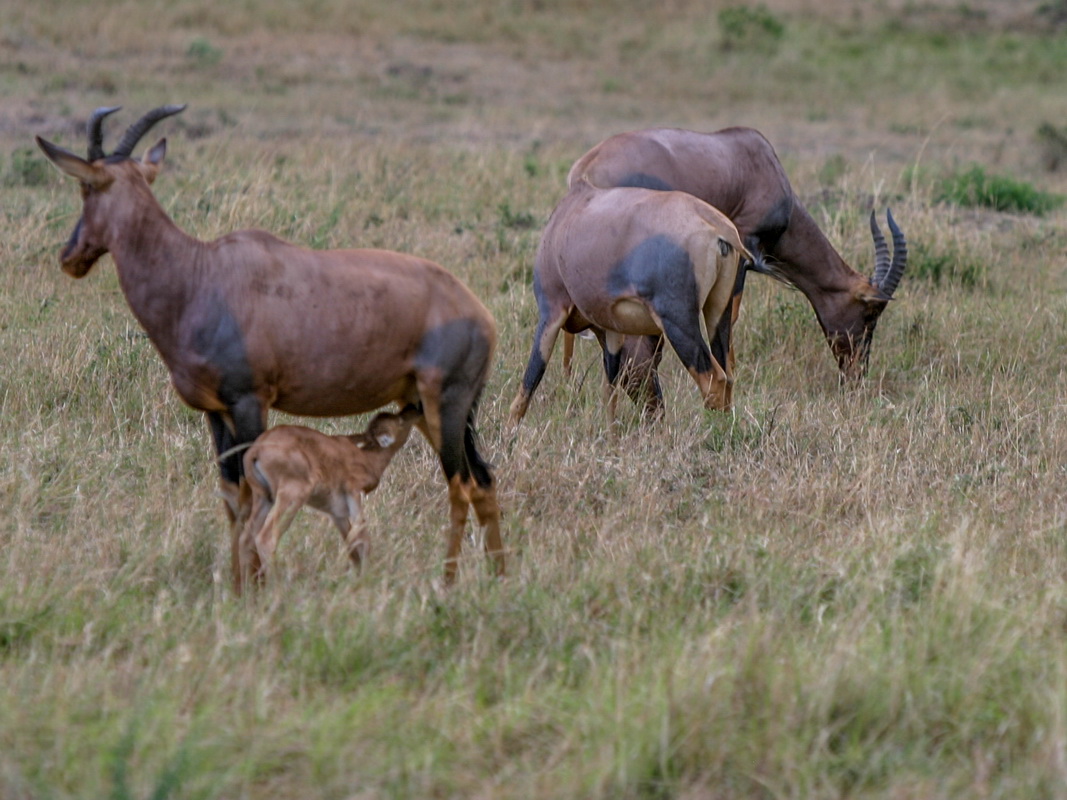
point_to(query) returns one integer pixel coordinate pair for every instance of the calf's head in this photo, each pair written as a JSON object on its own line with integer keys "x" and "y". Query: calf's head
{"x": 389, "y": 431}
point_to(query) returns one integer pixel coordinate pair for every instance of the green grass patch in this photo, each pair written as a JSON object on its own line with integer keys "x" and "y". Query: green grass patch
{"x": 976, "y": 188}
{"x": 946, "y": 263}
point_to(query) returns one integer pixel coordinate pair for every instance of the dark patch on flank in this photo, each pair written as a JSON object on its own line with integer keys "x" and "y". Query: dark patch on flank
{"x": 773, "y": 225}
{"x": 219, "y": 341}
{"x": 642, "y": 180}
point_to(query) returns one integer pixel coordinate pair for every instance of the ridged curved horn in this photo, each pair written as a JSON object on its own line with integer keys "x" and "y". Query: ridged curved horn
{"x": 95, "y": 131}
{"x": 881, "y": 253}
{"x": 900, "y": 257}
{"x": 140, "y": 128}
{"x": 887, "y": 275}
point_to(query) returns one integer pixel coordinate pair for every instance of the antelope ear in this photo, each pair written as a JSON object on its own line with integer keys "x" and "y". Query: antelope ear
{"x": 152, "y": 161}
{"x": 73, "y": 165}
{"x": 871, "y": 294}
{"x": 385, "y": 439}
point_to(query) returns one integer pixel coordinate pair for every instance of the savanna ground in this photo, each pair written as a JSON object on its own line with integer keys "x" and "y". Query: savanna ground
{"x": 826, "y": 593}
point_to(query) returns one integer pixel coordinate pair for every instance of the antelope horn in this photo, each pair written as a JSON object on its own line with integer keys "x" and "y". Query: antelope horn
{"x": 900, "y": 257}
{"x": 96, "y": 133}
{"x": 140, "y": 128}
{"x": 881, "y": 252}
{"x": 887, "y": 275}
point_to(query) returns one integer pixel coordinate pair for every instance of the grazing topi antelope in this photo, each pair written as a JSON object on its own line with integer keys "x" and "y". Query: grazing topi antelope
{"x": 249, "y": 322}
{"x": 737, "y": 171}
{"x": 636, "y": 262}
{"x": 290, "y": 466}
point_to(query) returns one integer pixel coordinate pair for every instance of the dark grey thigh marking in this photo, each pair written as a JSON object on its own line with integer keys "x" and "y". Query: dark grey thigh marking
{"x": 660, "y": 271}
{"x": 460, "y": 350}
{"x": 642, "y": 180}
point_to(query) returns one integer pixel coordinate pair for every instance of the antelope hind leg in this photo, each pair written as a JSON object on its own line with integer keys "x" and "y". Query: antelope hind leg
{"x": 487, "y": 510}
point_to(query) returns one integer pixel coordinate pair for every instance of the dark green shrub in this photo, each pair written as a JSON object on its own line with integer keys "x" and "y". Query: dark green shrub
{"x": 28, "y": 168}
{"x": 1053, "y": 143}
{"x": 945, "y": 265}
{"x": 203, "y": 53}
{"x": 750, "y": 27}
{"x": 974, "y": 188}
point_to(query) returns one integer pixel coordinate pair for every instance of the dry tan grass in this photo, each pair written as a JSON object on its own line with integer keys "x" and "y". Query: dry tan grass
{"x": 826, "y": 593}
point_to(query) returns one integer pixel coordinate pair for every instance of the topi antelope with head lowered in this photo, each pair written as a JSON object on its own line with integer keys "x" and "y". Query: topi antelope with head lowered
{"x": 249, "y": 322}
{"x": 632, "y": 261}
{"x": 737, "y": 171}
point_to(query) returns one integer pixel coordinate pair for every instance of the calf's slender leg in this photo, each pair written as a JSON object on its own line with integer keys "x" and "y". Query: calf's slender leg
{"x": 353, "y": 527}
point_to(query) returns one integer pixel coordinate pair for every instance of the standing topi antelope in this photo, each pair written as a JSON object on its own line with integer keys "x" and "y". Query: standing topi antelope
{"x": 636, "y": 262}
{"x": 737, "y": 171}
{"x": 290, "y": 466}
{"x": 249, "y": 322}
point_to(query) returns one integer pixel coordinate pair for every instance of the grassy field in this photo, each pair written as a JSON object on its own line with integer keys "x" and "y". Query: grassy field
{"x": 826, "y": 593}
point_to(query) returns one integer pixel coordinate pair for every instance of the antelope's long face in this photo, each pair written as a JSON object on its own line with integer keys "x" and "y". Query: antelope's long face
{"x": 110, "y": 189}
{"x": 98, "y": 174}
{"x": 83, "y": 249}
{"x": 851, "y": 334}
{"x": 851, "y": 325}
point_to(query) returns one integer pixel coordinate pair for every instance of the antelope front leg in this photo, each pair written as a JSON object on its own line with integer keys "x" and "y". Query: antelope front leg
{"x": 543, "y": 342}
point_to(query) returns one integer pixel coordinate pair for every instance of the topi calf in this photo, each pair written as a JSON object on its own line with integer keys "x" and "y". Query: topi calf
{"x": 291, "y": 466}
